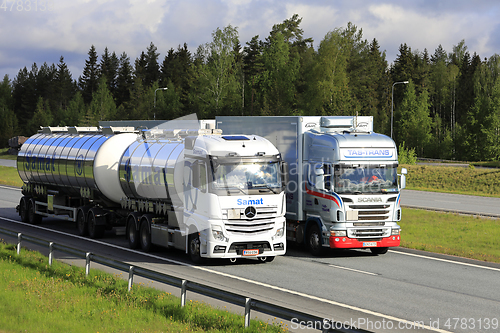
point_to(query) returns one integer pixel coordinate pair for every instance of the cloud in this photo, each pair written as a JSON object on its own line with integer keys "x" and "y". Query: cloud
{"x": 421, "y": 30}
{"x": 71, "y": 27}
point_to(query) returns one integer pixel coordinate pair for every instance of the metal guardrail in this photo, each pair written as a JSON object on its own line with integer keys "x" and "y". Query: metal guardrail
{"x": 185, "y": 285}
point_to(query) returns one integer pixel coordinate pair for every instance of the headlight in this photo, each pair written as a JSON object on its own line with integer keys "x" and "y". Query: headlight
{"x": 338, "y": 233}
{"x": 217, "y": 233}
{"x": 280, "y": 232}
{"x": 396, "y": 232}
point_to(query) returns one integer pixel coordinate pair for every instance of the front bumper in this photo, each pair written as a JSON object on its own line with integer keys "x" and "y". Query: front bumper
{"x": 358, "y": 243}
{"x": 246, "y": 249}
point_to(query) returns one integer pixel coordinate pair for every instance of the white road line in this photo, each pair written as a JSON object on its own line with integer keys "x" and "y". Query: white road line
{"x": 388, "y": 317}
{"x": 446, "y": 260}
{"x": 354, "y": 270}
{"x": 11, "y": 188}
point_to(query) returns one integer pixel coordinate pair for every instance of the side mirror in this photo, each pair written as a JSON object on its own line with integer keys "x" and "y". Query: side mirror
{"x": 284, "y": 174}
{"x": 404, "y": 172}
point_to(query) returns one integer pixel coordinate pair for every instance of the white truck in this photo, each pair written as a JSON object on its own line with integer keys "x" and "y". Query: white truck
{"x": 343, "y": 190}
{"x": 211, "y": 195}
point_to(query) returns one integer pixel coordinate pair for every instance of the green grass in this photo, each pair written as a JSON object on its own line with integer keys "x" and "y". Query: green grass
{"x": 36, "y": 297}
{"x": 458, "y": 235}
{"x": 472, "y": 181}
{"x": 9, "y": 176}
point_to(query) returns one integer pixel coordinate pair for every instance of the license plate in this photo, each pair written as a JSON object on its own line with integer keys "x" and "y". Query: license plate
{"x": 250, "y": 252}
{"x": 370, "y": 244}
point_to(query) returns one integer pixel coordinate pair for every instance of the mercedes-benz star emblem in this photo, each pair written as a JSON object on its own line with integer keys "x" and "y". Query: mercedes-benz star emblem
{"x": 250, "y": 212}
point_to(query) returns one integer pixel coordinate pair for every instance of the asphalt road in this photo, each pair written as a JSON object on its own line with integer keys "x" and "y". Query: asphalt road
{"x": 388, "y": 292}
{"x": 467, "y": 204}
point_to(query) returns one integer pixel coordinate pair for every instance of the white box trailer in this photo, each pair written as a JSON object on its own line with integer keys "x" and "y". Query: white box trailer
{"x": 343, "y": 189}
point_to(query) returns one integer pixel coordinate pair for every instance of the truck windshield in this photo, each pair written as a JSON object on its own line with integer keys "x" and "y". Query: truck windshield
{"x": 247, "y": 178}
{"x": 365, "y": 179}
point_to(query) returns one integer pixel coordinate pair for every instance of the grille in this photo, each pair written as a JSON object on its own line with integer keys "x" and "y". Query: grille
{"x": 372, "y": 212}
{"x": 262, "y": 222}
{"x": 369, "y": 233}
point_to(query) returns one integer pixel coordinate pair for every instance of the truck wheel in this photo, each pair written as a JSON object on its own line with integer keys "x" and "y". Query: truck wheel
{"x": 266, "y": 259}
{"x": 194, "y": 248}
{"x": 379, "y": 250}
{"x": 314, "y": 241}
{"x": 23, "y": 210}
{"x": 132, "y": 232}
{"x": 33, "y": 218}
{"x": 95, "y": 230}
{"x": 145, "y": 237}
{"x": 81, "y": 222}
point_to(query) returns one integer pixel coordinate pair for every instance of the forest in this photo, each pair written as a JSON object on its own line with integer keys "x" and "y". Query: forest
{"x": 442, "y": 104}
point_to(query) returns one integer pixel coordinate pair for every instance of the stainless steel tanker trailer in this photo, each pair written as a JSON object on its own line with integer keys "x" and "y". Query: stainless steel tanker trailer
{"x": 211, "y": 195}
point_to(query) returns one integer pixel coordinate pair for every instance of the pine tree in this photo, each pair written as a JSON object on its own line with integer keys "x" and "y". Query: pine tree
{"x": 176, "y": 68}
{"x": 89, "y": 80}
{"x": 413, "y": 125}
{"x": 8, "y": 120}
{"x": 102, "y": 106}
{"x": 151, "y": 69}
{"x": 108, "y": 69}
{"x": 124, "y": 80}
{"x": 42, "y": 116}
{"x": 252, "y": 67}
{"x": 75, "y": 111}
{"x": 65, "y": 89}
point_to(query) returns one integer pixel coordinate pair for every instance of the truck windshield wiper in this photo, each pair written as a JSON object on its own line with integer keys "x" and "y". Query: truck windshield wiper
{"x": 234, "y": 188}
{"x": 265, "y": 186}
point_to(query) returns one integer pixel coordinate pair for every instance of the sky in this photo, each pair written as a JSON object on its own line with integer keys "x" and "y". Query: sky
{"x": 38, "y": 31}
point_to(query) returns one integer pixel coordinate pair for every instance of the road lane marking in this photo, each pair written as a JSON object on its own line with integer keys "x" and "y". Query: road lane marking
{"x": 11, "y": 188}
{"x": 353, "y": 270}
{"x": 446, "y": 260}
{"x": 293, "y": 292}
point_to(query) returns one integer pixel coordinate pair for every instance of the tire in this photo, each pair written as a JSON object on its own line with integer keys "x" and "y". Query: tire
{"x": 33, "y": 218}
{"x": 95, "y": 231}
{"x": 23, "y": 209}
{"x": 266, "y": 259}
{"x": 194, "y": 248}
{"x": 81, "y": 221}
{"x": 314, "y": 240}
{"x": 379, "y": 250}
{"x": 145, "y": 236}
{"x": 132, "y": 232}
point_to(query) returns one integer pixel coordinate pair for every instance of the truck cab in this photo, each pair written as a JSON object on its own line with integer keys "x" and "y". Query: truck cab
{"x": 352, "y": 196}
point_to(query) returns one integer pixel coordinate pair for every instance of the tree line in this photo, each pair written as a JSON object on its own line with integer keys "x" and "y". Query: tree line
{"x": 442, "y": 105}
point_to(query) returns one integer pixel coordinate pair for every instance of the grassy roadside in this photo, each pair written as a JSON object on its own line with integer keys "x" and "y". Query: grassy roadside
{"x": 459, "y": 235}
{"x": 35, "y": 297}
{"x": 458, "y": 180}
{"x": 9, "y": 176}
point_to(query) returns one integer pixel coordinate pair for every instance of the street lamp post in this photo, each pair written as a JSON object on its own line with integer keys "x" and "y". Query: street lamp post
{"x": 392, "y": 102}
{"x": 154, "y": 103}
